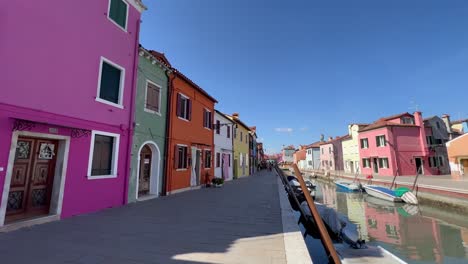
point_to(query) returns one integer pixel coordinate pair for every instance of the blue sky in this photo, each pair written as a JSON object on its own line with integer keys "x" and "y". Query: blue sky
{"x": 297, "y": 69}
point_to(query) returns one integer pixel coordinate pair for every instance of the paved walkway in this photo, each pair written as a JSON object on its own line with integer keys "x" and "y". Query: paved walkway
{"x": 238, "y": 223}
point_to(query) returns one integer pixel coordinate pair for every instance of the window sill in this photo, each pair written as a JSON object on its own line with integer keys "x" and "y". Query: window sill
{"x": 101, "y": 177}
{"x": 207, "y": 128}
{"x": 109, "y": 103}
{"x": 181, "y": 169}
{"x": 181, "y": 118}
{"x": 152, "y": 112}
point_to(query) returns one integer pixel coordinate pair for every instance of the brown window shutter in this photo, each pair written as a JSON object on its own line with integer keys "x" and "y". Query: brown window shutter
{"x": 189, "y": 103}
{"x": 204, "y": 118}
{"x": 178, "y": 105}
{"x": 176, "y": 157}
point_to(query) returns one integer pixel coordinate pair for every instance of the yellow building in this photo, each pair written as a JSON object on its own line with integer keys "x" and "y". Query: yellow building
{"x": 241, "y": 147}
{"x": 351, "y": 160}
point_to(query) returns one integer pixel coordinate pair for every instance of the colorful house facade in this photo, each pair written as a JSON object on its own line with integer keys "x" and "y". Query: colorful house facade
{"x": 287, "y": 155}
{"x": 460, "y": 126}
{"x": 458, "y": 155}
{"x": 223, "y": 146}
{"x": 241, "y": 147}
{"x": 331, "y": 154}
{"x": 396, "y": 145}
{"x": 149, "y": 136}
{"x": 313, "y": 156}
{"x": 436, "y": 142}
{"x": 190, "y": 135}
{"x": 350, "y": 145}
{"x": 253, "y": 150}
{"x": 300, "y": 157}
{"x": 66, "y": 157}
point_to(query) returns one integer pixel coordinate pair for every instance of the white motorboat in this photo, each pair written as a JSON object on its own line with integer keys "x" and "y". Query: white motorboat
{"x": 348, "y": 185}
{"x": 382, "y": 193}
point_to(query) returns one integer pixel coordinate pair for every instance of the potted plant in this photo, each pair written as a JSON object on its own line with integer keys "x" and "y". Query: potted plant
{"x": 217, "y": 182}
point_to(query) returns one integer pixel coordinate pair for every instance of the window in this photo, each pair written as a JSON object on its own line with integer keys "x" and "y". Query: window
{"x": 432, "y": 162}
{"x": 438, "y": 125}
{"x": 241, "y": 136}
{"x": 218, "y": 127}
{"x": 153, "y": 97}
{"x": 383, "y": 163}
{"x": 329, "y": 150}
{"x": 366, "y": 163}
{"x": 229, "y": 157}
{"x": 310, "y": 163}
{"x": 430, "y": 140}
{"x": 441, "y": 161}
{"x": 207, "y": 120}
{"x": 118, "y": 12}
{"x": 228, "y": 135}
{"x": 364, "y": 143}
{"x": 246, "y": 138}
{"x": 322, "y": 150}
{"x": 207, "y": 159}
{"x": 111, "y": 83}
{"x": 180, "y": 157}
{"x": 218, "y": 160}
{"x": 104, "y": 153}
{"x": 331, "y": 164}
{"x": 380, "y": 140}
{"x": 407, "y": 120}
{"x": 184, "y": 107}
{"x": 235, "y": 132}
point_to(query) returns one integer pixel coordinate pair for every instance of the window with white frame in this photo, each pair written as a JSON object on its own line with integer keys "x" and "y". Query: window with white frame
{"x": 207, "y": 159}
{"x": 329, "y": 150}
{"x": 111, "y": 83}
{"x": 366, "y": 163}
{"x": 184, "y": 107}
{"x": 380, "y": 141}
{"x": 364, "y": 143}
{"x": 104, "y": 152}
{"x": 118, "y": 13}
{"x": 207, "y": 119}
{"x": 383, "y": 163}
{"x": 152, "y": 97}
{"x": 228, "y": 130}
{"x": 180, "y": 157}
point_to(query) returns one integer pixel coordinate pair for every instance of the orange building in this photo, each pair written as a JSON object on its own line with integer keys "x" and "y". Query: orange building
{"x": 190, "y": 145}
{"x": 458, "y": 155}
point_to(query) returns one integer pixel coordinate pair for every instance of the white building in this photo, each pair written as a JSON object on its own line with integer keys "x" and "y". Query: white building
{"x": 223, "y": 157}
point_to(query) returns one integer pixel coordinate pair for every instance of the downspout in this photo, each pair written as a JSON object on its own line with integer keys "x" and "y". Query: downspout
{"x": 132, "y": 115}
{"x": 168, "y": 126}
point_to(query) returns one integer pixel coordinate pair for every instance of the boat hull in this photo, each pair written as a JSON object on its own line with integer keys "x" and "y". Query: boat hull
{"x": 380, "y": 192}
{"x": 353, "y": 187}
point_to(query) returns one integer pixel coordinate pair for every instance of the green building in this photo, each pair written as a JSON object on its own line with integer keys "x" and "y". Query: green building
{"x": 148, "y": 150}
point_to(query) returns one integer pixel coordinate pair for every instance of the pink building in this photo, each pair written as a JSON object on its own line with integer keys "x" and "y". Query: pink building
{"x": 397, "y": 145}
{"x": 331, "y": 154}
{"x": 68, "y": 82}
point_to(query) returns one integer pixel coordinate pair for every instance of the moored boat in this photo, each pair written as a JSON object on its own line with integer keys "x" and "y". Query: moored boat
{"x": 348, "y": 185}
{"x": 382, "y": 193}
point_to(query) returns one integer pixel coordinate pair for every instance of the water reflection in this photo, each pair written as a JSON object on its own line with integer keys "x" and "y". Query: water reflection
{"x": 417, "y": 234}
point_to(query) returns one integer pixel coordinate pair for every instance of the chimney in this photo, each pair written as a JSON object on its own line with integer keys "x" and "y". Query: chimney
{"x": 418, "y": 120}
{"x": 235, "y": 115}
{"x": 330, "y": 138}
{"x": 349, "y": 129}
{"x": 446, "y": 119}
{"x": 253, "y": 129}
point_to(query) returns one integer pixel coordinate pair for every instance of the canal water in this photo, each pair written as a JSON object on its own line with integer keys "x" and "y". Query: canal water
{"x": 416, "y": 234}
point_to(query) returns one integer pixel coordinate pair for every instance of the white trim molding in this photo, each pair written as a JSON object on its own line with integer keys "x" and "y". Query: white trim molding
{"x": 126, "y": 15}
{"x": 155, "y": 171}
{"x": 121, "y": 85}
{"x": 146, "y": 97}
{"x": 115, "y": 155}
{"x": 138, "y": 5}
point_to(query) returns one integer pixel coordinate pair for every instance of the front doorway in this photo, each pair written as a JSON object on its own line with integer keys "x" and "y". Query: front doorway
{"x": 196, "y": 166}
{"x": 148, "y": 185}
{"x": 351, "y": 166}
{"x": 376, "y": 165}
{"x": 419, "y": 165}
{"x": 32, "y": 179}
{"x": 463, "y": 166}
{"x": 145, "y": 171}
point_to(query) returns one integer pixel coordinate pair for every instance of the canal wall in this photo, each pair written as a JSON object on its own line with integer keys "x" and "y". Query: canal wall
{"x": 437, "y": 195}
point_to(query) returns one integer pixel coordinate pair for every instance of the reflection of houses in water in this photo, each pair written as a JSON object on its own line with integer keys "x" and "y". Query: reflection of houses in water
{"x": 357, "y": 214}
{"x": 383, "y": 224}
{"x": 464, "y": 235}
{"x": 329, "y": 195}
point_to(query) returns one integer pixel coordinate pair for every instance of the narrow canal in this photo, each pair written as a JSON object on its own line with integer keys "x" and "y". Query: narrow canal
{"x": 416, "y": 234}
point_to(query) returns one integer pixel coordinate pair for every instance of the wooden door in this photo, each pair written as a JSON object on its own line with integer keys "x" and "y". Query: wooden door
{"x": 145, "y": 171}
{"x": 464, "y": 165}
{"x": 32, "y": 179}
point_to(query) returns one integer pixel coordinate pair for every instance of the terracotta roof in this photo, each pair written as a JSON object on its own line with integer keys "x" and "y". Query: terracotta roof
{"x": 395, "y": 116}
{"x": 334, "y": 140}
{"x": 185, "y": 78}
{"x": 160, "y": 56}
{"x": 222, "y": 114}
{"x": 239, "y": 121}
{"x": 381, "y": 123}
{"x": 459, "y": 121}
{"x": 313, "y": 145}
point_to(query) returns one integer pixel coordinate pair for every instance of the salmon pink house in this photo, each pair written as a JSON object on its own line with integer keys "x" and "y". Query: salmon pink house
{"x": 66, "y": 107}
{"x": 397, "y": 145}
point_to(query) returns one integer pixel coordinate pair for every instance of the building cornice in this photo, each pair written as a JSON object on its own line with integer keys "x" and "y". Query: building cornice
{"x": 138, "y": 5}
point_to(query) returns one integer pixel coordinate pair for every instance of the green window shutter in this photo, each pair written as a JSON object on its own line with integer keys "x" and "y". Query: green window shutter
{"x": 110, "y": 83}
{"x": 118, "y": 12}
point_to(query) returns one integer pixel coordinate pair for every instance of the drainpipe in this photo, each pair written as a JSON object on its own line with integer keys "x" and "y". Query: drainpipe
{"x": 170, "y": 81}
{"x": 132, "y": 116}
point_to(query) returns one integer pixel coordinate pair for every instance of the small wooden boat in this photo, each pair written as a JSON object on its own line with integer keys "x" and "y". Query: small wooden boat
{"x": 348, "y": 185}
{"x": 382, "y": 193}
